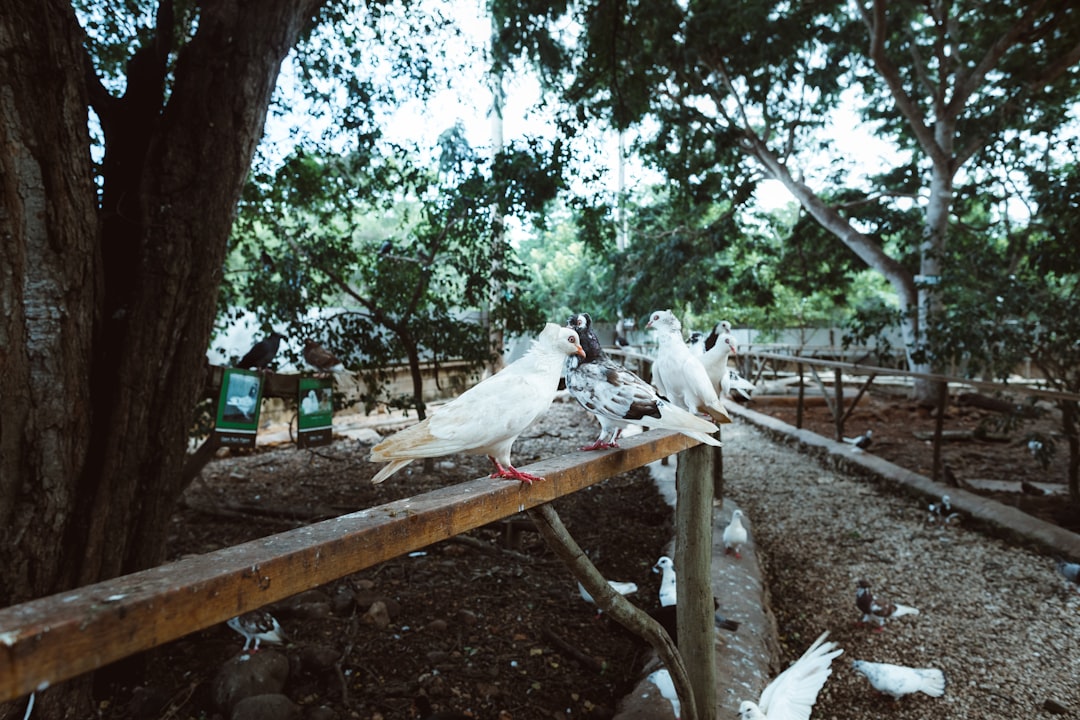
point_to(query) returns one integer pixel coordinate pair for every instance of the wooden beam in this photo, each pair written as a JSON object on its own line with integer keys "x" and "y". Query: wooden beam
{"x": 46, "y": 641}
{"x": 693, "y": 576}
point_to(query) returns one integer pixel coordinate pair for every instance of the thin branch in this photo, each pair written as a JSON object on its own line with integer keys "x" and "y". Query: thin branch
{"x": 615, "y": 605}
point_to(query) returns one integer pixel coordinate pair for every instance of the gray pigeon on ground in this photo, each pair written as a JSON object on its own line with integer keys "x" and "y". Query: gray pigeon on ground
{"x": 260, "y": 355}
{"x": 897, "y": 680}
{"x": 1070, "y": 571}
{"x": 878, "y": 611}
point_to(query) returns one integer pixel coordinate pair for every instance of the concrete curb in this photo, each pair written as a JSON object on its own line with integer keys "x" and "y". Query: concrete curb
{"x": 743, "y": 658}
{"x": 990, "y": 516}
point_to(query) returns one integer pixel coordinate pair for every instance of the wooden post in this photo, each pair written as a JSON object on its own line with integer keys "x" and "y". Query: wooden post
{"x": 939, "y": 422}
{"x": 802, "y": 394}
{"x": 838, "y": 408}
{"x": 693, "y": 565}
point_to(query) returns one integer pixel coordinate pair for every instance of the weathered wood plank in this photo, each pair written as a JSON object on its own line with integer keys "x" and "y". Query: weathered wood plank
{"x": 51, "y": 639}
{"x": 693, "y": 579}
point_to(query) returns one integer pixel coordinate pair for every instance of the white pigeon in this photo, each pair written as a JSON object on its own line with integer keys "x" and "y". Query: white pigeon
{"x": 487, "y": 418}
{"x": 678, "y": 375}
{"x": 668, "y": 593}
{"x": 257, "y": 626}
{"x": 877, "y": 611}
{"x": 618, "y": 397}
{"x": 735, "y": 535}
{"x": 623, "y": 588}
{"x": 897, "y": 680}
{"x": 792, "y": 694}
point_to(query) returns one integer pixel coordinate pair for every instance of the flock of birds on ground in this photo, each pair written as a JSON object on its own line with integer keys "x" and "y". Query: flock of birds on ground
{"x": 688, "y": 384}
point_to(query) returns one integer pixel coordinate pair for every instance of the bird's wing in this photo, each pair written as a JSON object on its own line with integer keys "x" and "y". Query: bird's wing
{"x": 485, "y": 419}
{"x": 792, "y": 694}
{"x": 609, "y": 390}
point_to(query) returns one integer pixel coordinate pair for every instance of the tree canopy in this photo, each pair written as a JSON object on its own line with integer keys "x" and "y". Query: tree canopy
{"x": 724, "y": 94}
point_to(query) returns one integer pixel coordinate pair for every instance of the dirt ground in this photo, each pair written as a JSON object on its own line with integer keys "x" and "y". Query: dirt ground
{"x": 489, "y": 624}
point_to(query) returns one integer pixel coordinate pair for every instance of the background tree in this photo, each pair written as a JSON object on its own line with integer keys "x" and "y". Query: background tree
{"x": 110, "y": 273}
{"x": 726, "y": 93}
{"x": 407, "y": 286}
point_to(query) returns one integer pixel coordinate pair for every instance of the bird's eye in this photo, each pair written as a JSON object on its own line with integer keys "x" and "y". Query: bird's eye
{"x": 572, "y": 339}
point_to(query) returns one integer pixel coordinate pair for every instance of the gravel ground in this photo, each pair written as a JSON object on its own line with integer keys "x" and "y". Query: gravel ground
{"x": 996, "y": 618}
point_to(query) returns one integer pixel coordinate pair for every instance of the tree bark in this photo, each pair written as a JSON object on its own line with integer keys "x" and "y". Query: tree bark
{"x": 109, "y": 310}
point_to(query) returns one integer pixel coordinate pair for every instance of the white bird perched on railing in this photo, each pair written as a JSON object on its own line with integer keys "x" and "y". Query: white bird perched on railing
{"x": 897, "y": 680}
{"x": 619, "y": 398}
{"x": 678, "y": 375}
{"x": 487, "y": 418}
{"x": 792, "y": 694}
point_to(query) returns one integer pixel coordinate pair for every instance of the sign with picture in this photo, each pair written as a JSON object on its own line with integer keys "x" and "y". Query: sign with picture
{"x": 315, "y": 419}
{"x": 238, "y": 408}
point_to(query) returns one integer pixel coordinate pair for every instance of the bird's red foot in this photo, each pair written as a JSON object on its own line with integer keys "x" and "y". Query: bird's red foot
{"x": 879, "y": 628}
{"x": 600, "y": 445}
{"x": 512, "y": 473}
{"x": 738, "y": 555}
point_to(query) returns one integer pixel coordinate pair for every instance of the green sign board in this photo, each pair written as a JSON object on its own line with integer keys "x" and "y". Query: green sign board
{"x": 314, "y": 425}
{"x": 238, "y": 407}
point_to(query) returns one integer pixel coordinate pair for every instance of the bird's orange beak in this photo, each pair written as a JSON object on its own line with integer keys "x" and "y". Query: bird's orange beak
{"x": 581, "y": 351}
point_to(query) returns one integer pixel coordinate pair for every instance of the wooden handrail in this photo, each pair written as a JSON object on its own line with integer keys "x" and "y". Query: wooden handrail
{"x": 46, "y": 641}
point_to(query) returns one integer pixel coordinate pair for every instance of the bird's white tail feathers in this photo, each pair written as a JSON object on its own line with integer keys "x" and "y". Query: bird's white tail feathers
{"x": 702, "y": 438}
{"x": 389, "y": 470}
{"x": 718, "y": 413}
{"x": 902, "y": 610}
{"x": 931, "y": 681}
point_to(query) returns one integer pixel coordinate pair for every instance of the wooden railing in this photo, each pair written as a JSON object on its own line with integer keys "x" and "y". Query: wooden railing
{"x": 46, "y": 641}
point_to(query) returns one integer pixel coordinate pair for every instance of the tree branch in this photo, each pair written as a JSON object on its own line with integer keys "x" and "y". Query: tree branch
{"x": 615, "y": 605}
{"x": 889, "y": 73}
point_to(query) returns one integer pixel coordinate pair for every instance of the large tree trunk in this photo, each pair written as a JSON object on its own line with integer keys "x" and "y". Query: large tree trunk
{"x": 108, "y": 313}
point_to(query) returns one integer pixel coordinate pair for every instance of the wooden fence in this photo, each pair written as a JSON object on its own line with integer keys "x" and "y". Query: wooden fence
{"x": 46, "y": 641}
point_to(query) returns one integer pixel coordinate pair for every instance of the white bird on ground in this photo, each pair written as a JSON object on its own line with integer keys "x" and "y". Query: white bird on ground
{"x": 668, "y": 594}
{"x": 623, "y": 588}
{"x": 792, "y": 694}
{"x": 897, "y": 680}
{"x": 487, "y": 418}
{"x": 861, "y": 442}
{"x": 678, "y": 375}
{"x": 618, "y": 397}
{"x": 735, "y": 535}
{"x": 878, "y": 611}
{"x": 257, "y": 626}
